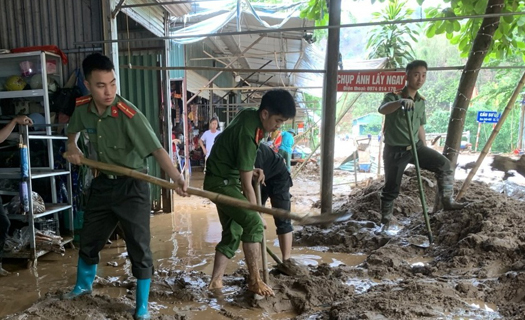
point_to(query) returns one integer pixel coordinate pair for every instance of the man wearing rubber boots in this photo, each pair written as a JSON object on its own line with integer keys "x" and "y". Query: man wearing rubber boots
{"x": 397, "y": 152}
{"x": 229, "y": 171}
{"x": 121, "y": 135}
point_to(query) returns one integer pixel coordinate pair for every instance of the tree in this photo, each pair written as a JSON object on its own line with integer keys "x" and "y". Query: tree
{"x": 392, "y": 41}
{"x": 491, "y": 37}
{"x": 478, "y": 39}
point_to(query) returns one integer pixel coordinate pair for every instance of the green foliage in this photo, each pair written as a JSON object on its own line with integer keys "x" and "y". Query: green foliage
{"x": 393, "y": 41}
{"x": 508, "y": 40}
{"x": 316, "y": 10}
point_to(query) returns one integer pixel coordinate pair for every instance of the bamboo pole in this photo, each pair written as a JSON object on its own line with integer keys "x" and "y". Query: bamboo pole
{"x": 492, "y": 137}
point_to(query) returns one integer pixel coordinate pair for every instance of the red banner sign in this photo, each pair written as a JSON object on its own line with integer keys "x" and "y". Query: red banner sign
{"x": 370, "y": 81}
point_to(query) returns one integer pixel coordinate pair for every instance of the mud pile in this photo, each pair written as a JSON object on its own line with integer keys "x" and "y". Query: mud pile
{"x": 474, "y": 268}
{"x": 477, "y": 255}
{"x": 310, "y": 170}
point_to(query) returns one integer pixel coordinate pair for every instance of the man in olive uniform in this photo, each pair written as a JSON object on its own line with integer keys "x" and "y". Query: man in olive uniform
{"x": 229, "y": 171}
{"x": 277, "y": 183}
{"x": 120, "y": 135}
{"x": 397, "y": 152}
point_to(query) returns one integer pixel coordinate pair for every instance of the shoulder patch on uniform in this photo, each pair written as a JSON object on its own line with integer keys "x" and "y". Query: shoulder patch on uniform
{"x": 422, "y": 98}
{"x": 83, "y": 100}
{"x": 114, "y": 112}
{"x": 398, "y": 92}
{"x": 128, "y": 111}
{"x": 259, "y": 135}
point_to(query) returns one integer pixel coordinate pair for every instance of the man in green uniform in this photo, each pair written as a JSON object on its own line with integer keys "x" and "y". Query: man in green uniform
{"x": 120, "y": 135}
{"x": 397, "y": 152}
{"x": 229, "y": 171}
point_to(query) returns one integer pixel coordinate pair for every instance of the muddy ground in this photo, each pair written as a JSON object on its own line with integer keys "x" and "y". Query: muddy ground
{"x": 473, "y": 269}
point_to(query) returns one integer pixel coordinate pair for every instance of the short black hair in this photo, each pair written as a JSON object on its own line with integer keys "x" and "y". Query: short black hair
{"x": 96, "y": 61}
{"x": 415, "y": 64}
{"x": 278, "y": 102}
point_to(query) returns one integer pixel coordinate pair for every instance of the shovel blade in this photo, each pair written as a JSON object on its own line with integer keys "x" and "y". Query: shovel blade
{"x": 324, "y": 218}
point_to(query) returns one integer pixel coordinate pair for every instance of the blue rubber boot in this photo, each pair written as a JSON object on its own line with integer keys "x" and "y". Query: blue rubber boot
{"x": 141, "y": 299}
{"x": 85, "y": 277}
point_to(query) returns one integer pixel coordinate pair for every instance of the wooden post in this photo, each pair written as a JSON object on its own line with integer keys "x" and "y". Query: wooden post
{"x": 329, "y": 107}
{"x": 493, "y": 135}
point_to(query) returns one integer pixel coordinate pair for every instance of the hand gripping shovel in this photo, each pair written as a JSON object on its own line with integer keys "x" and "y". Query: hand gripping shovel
{"x": 307, "y": 219}
{"x": 408, "y": 116}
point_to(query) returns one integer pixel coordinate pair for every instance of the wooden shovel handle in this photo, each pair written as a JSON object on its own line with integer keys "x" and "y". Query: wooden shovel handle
{"x": 214, "y": 197}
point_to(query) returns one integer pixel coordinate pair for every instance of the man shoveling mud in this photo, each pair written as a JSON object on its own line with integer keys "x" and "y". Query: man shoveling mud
{"x": 121, "y": 135}
{"x": 229, "y": 171}
{"x": 397, "y": 152}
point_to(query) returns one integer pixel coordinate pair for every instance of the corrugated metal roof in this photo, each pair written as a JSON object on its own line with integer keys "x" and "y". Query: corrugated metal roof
{"x": 152, "y": 17}
{"x": 281, "y": 50}
{"x": 25, "y": 23}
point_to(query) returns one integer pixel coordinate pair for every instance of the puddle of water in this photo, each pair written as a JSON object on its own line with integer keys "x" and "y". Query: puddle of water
{"x": 361, "y": 285}
{"x": 419, "y": 261}
{"x": 184, "y": 240}
{"x": 479, "y": 310}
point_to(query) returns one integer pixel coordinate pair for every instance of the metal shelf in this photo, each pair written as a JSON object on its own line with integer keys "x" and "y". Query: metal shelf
{"x": 14, "y": 173}
{"x": 50, "y": 209}
{"x": 37, "y": 174}
{"x": 9, "y": 193}
{"x": 21, "y": 94}
{"x": 46, "y": 137}
{"x": 26, "y": 254}
{"x": 8, "y": 64}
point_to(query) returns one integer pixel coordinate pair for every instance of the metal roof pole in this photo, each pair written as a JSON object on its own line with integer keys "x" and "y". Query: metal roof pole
{"x": 306, "y": 28}
{"x": 110, "y": 33}
{"x": 167, "y": 194}
{"x": 229, "y": 64}
{"x": 329, "y": 108}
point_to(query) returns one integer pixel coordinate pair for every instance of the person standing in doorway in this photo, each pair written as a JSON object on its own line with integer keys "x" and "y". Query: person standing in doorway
{"x": 121, "y": 135}
{"x": 4, "y": 220}
{"x": 397, "y": 152}
{"x": 207, "y": 139}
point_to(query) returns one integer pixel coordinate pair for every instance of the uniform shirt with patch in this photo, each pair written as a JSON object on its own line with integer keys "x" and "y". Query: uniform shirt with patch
{"x": 236, "y": 147}
{"x": 396, "y": 128}
{"x": 122, "y": 135}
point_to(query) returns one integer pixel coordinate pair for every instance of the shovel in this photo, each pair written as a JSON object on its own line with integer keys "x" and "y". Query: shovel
{"x": 290, "y": 268}
{"x": 418, "y": 171}
{"x": 307, "y": 219}
{"x": 266, "y": 276}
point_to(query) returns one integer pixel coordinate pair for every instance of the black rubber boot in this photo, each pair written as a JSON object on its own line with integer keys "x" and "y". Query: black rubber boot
{"x": 446, "y": 190}
{"x": 387, "y": 212}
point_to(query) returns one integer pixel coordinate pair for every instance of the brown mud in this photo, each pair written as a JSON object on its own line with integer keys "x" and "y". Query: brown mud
{"x": 473, "y": 270}
{"x": 506, "y": 164}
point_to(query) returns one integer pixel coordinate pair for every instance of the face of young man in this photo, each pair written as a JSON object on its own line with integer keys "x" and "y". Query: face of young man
{"x": 271, "y": 123}
{"x": 103, "y": 87}
{"x": 416, "y": 78}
